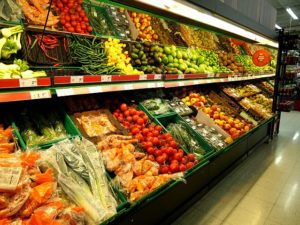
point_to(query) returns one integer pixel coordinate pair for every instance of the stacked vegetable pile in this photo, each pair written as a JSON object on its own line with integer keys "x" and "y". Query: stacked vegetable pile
{"x": 142, "y": 23}
{"x": 247, "y": 62}
{"x": 7, "y": 144}
{"x": 91, "y": 54}
{"x": 10, "y": 11}
{"x": 10, "y": 43}
{"x": 37, "y": 14}
{"x": 119, "y": 58}
{"x": 229, "y": 60}
{"x": 160, "y": 147}
{"x": 40, "y": 127}
{"x": 30, "y": 195}
{"x": 72, "y": 16}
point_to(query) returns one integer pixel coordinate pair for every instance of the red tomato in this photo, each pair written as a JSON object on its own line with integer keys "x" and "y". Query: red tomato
{"x": 150, "y": 150}
{"x": 83, "y": 26}
{"x": 189, "y": 165}
{"x": 140, "y": 121}
{"x": 73, "y": 17}
{"x": 173, "y": 144}
{"x": 145, "y": 118}
{"x": 177, "y": 156}
{"x": 164, "y": 169}
{"x": 79, "y": 2}
{"x": 165, "y": 155}
{"x": 139, "y": 137}
{"x": 174, "y": 167}
{"x": 129, "y": 119}
{"x": 116, "y": 114}
{"x": 181, "y": 151}
{"x": 64, "y": 1}
{"x": 126, "y": 113}
{"x": 155, "y": 133}
{"x": 165, "y": 136}
{"x": 123, "y": 107}
{"x": 160, "y": 159}
{"x": 174, "y": 161}
{"x": 135, "y": 117}
{"x": 135, "y": 131}
{"x": 82, "y": 14}
{"x": 63, "y": 21}
{"x": 151, "y": 157}
{"x": 182, "y": 167}
{"x": 184, "y": 160}
{"x": 86, "y": 19}
{"x": 70, "y": 5}
{"x": 73, "y": 23}
{"x": 149, "y": 144}
{"x": 191, "y": 157}
{"x": 170, "y": 151}
{"x": 132, "y": 111}
{"x": 120, "y": 118}
{"x": 158, "y": 128}
{"x": 67, "y": 18}
{"x": 71, "y": 29}
{"x": 149, "y": 138}
{"x": 155, "y": 141}
{"x": 145, "y": 131}
{"x": 157, "y": 153}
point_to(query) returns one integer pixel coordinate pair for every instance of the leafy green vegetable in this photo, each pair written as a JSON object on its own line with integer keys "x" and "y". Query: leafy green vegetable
{"x": 22, "y": 64}
{"x": 156, "y": 106}
{"x": 10, "y": 47}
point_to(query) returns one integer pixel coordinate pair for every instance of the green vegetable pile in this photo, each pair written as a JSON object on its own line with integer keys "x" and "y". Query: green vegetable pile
{"x": 186, "y": 138}
{"x": 247, "y": 62}
{"x": 10, "y": 43}
{"x": 156, "y": 106}
{"x": 40, "y": 127}
{"x": 81, "y": 174}
{"x": 91, "y": 55}
{"x": 19, "y": 69}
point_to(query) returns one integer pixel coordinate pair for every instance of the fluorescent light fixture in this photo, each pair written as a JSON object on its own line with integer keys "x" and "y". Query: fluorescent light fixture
{"x": 278, "y": 27}
{"x": 204, "y": 16}
{"x": 292, "y": 14}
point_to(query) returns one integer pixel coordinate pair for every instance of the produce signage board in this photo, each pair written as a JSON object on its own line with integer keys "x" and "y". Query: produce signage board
{"x": 23, "y": 83}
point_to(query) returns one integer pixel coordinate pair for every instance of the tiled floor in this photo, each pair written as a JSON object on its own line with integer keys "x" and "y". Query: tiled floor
{"x": 263, "y": 190}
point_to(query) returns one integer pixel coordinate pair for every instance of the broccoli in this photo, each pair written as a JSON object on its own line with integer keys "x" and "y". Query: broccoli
{"x": 10, "y": 47}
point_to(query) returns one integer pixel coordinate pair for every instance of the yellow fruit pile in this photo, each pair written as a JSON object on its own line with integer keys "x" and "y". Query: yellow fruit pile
{"x": 118, "y": 58}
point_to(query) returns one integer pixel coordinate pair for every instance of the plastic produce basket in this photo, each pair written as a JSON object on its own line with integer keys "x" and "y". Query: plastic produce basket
{"x": 166, "y": 120}
{"x": 71, "y": 129}
{"x": 100, "y": 21}
{"x": 142, "y": 107}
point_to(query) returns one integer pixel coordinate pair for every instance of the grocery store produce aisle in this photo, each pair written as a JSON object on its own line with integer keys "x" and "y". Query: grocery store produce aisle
{"x": 262, "y": 190}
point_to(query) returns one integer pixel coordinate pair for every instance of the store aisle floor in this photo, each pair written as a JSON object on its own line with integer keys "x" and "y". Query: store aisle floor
{"x": 262, "y": 190}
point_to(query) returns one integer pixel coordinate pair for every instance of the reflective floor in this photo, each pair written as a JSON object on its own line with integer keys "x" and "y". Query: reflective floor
{"x": 262, "y": 190}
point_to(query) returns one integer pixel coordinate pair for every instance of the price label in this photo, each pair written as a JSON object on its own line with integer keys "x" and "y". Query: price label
{"x": 76, "y": 79}
{"x": 40, "y": 94}
{"x": 28, "y": 82}
{"x": 210, "y": 75}
{"x": 128, "y": 87}
{"x": 180, "y": 83}
{"x": 64, "y": 92}
{"x": 95, "y": 89}
{"x": 180, "y": 76}
{"x": 157, "y": 76}
{"x": 10, "y": 177}
{"x": 143, "y": 77}
{"x": 106, "y": 78}
{"x": 151, "y": 85}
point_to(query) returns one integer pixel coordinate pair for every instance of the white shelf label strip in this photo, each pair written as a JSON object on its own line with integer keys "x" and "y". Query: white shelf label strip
{"x": 76, "y": 79}
{"x": 40, "y": 94}
{"x": 64, "y": 92}
{"x": 28, "y": 82}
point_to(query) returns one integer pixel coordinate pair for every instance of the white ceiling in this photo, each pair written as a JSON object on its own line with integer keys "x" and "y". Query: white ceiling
{"x": 283, "y": 18}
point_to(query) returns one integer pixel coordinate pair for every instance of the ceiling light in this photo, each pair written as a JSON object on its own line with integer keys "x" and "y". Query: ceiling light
{"x": 204, "y": 16}
{"x": 278, "y": 27}
{"x": 292, "y": 14}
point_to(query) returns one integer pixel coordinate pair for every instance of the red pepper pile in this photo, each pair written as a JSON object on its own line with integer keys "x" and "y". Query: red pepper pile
{"x": 161, "y": 148}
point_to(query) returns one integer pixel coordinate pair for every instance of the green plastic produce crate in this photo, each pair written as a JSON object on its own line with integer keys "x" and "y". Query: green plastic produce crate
{"x": 71, "y": 129}
{"x": 150, "y": 115}
{"x": 100, "y": 21}
{"x": 166, "y": 120}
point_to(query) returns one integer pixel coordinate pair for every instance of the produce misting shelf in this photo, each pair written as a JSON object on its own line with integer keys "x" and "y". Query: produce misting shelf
{"x": 25, "y": 83}
{"x": 173, "y": 83}
{"x": 80, "y": 90}
{"x": 24, "y": 95}
{"x": 85, "y": 79}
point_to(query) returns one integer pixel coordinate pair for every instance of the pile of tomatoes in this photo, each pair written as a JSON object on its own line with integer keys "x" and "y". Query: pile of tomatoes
{"x": 160, "y": 147}
{"x": 72, "y": 16}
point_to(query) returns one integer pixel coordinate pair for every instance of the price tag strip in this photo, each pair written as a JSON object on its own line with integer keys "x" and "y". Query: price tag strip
{"x": 76, "y": 79}
{"x": 40, "y": 94}
{"x": 28, "y": 82}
